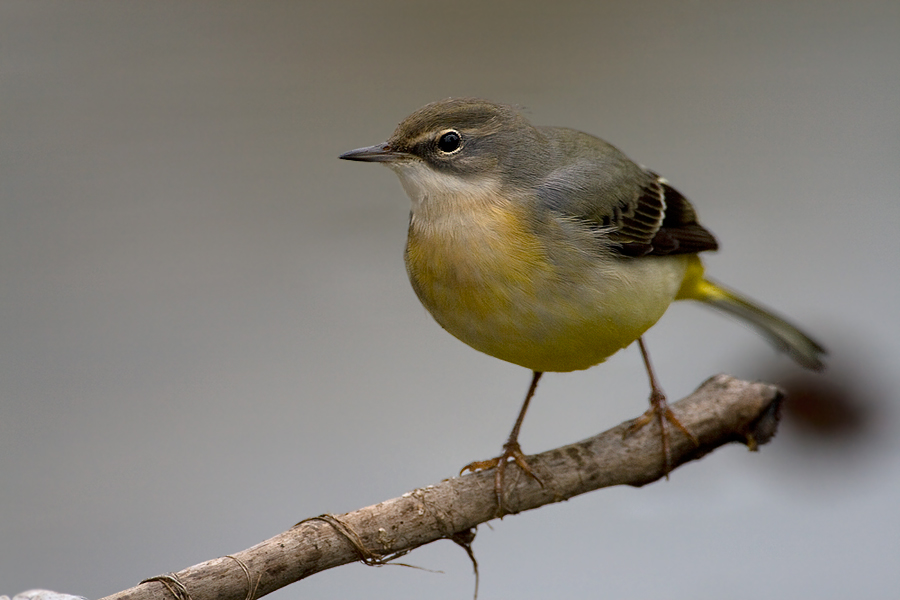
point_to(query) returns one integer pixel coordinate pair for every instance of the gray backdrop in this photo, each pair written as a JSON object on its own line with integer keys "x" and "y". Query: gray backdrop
{"x": 206, "y": 332}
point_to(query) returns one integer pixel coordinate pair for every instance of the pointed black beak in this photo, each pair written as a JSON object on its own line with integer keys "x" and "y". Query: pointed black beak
{"x": 376, "y": 153}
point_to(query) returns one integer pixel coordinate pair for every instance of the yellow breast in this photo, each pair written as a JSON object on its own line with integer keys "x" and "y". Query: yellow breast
{"x": 478, "y": 267}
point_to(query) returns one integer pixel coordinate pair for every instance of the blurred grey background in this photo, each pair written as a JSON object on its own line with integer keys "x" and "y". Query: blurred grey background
{"x": 206, "y": 332}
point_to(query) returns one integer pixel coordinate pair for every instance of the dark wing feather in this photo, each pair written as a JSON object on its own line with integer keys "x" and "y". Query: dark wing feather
{"x": 594, "y": 183}
{"x": 678, "y": 231}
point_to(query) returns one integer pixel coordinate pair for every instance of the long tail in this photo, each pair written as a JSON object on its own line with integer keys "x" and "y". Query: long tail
{"x": 779, "y": 332}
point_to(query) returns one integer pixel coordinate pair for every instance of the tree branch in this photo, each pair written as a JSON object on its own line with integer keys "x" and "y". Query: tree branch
{"x": 722, "y": 410}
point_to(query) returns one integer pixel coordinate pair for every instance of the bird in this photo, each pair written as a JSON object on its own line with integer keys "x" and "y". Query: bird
{"x": 549, "y": 248}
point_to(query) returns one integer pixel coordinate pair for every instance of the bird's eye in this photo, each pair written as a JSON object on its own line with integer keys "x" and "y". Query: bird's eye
{"x": 449, "y": 142}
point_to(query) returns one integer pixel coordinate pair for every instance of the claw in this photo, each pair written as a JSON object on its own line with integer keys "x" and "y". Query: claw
{"x": 511, "y": 450}
{"x": 659, "y": 408}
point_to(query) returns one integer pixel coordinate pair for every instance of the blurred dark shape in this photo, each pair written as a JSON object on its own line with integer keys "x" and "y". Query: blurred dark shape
{"x": 829, "y": 406}
{"x": 844, "y": 405}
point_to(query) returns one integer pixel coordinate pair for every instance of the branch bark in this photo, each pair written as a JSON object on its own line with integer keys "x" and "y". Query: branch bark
{"x": 722, "y": 410}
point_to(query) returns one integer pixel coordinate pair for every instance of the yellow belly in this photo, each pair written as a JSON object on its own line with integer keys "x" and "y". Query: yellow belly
{"x": 491, "y": 283}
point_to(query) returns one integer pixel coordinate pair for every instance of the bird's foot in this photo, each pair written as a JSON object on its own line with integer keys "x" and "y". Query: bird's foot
{"x": 659, "y": 410}
{"x": 511, "y": 450}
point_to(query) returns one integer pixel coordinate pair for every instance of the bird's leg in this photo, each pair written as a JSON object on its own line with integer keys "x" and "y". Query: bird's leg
{"x": 659, "y": 408}
{"x": 511, "y": 450}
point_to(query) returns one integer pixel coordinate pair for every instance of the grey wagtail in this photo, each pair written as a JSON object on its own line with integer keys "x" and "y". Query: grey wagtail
{"x": 548, "y": 248}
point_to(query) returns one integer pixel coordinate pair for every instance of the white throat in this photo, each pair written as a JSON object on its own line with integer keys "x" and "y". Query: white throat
{"x": 434, "y": 192}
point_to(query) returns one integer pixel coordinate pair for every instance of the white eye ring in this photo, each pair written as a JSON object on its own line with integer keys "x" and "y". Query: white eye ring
{"x": 449, "y": 142}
